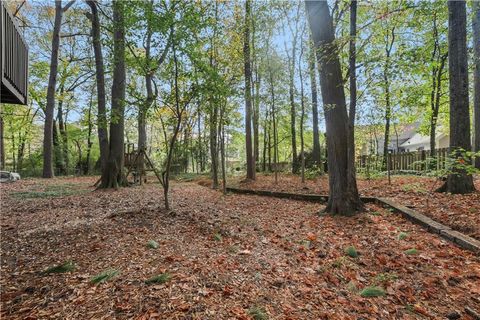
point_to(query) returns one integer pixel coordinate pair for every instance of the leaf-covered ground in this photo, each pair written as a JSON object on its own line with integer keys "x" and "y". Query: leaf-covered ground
{"x": 460, "y": 212}
{"x": 218, "y": 257}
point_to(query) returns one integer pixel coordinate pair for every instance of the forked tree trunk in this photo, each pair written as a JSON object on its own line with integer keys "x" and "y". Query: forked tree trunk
{"x": 343, "y": 199}
{"x": 458, "y": 181}
{"x": 100, "y": 79}
{"x": 112, "y": 176}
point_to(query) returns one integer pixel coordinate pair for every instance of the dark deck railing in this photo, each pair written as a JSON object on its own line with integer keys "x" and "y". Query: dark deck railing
{"x": 13, "y": 61}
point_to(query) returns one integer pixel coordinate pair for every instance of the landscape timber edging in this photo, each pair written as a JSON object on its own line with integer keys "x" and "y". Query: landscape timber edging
{"x": 431, "y": 225}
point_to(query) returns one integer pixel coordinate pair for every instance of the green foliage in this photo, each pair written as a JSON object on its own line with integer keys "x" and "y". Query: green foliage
{"x": 258, "y": 313}
{"x": 313, "y": 172}
{"x": 152, "y": 244}
{"x": 414, "y": 187}
{"x": 217, "y": 237}
{"x": 385, "y": 277}
{"x": 371, "y": 292}
{"x": 412, "y": 251}
{"x": 50, "y": 191}
{"x": 104, "y": 276}
{"x": 402, "y": 235}
{"x": 67, "y": 266}
{"x": 159, "y": 279}
{"x": 351, "y": 252}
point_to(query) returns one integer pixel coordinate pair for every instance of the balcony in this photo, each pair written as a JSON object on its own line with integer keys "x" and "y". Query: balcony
{"x": 13, "y": 61}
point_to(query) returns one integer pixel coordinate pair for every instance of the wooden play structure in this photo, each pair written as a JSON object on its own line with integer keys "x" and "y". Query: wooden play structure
{"x": 137, "y": 162}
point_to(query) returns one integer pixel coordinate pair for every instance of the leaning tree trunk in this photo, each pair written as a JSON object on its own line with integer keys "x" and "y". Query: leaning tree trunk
{"x": 476, "y": 79}
{"x": 458, "y": 181}
{"x": 100, "y": 77}
{"x": 342, "y": 198}
{"x": 248, "y": 95}
{"x": 112, "y": 176}
{"x": 52, "y": 82}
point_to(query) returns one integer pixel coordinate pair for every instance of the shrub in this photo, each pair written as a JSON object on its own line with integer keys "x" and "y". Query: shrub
{"x": 351, "y": 252}
{"x": 152, "y": 244}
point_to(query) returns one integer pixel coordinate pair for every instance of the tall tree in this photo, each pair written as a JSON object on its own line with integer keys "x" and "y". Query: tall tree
{"x": 112, "y": 175}
{"x": 313, "y": 87}
{"x": 458, "y": 181}
{"x": 100, "y": 79}
{"x": 248, "y": 94}
{"x": 353, "y": 98}
{"x": 343, "y": 195}
{"x": 476, "y": 79}
{"x": 52, "y": 83}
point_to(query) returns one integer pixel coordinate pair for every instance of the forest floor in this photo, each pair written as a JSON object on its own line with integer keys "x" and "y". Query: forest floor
{"x": 227, "y": 257}
{"x": 459, "y": 212}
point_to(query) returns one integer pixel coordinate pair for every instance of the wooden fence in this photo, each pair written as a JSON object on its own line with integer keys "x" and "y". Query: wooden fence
{"x": 404, "y": 161}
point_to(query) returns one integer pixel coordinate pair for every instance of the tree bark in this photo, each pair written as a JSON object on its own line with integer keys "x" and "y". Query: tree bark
{"x": 248, "y": 94}
{"x": 476, "y": 79}
{"x": 458, "y": 182}
{"x": 316, "y": 153}
{"x": 100, "y": 78}
{"x": 112, "y": 176}
{"x": 352, "y": 185}
{"x": 342, "y": 198}
{"x": 50, "y": 106}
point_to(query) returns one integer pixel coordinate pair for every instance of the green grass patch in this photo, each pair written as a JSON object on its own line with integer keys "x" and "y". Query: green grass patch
{"x": 152, "y": 244}
{"x": 351, "y": 252}
{"x": 412, "y": 251}
{"x": 371, "y": 292}
{"x": 159, "y": 279}
{"x": 104, "y": 276}
{"x": 67, "y": 266}
{"x": 258, "y": 313}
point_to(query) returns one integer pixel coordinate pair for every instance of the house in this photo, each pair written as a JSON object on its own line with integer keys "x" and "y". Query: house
{"x": 403, "y": 138}
{"x": 420, "y": 142}
{"x": 13, "y": 60}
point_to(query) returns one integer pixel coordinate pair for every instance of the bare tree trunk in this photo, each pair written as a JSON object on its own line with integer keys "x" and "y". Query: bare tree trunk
{"x": 86, "y": 170}
{"x": 248, "y": 94}
{"x": 458, "y": 182}
{"x": 274, "y": 123}
{"x": 316, "y": 155}
{"x": 476, "y": 79}
{"x": 52, "y": 82}
{"x": 100, "y": 78}
{"x": 342, "y": 198}
{"x": 302, "y": 115}
{"x": 390, "y": 39}
{"x": 62, "y": 130}
{"x": 112, "y": 176}
{"x": 352, "y": 185}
